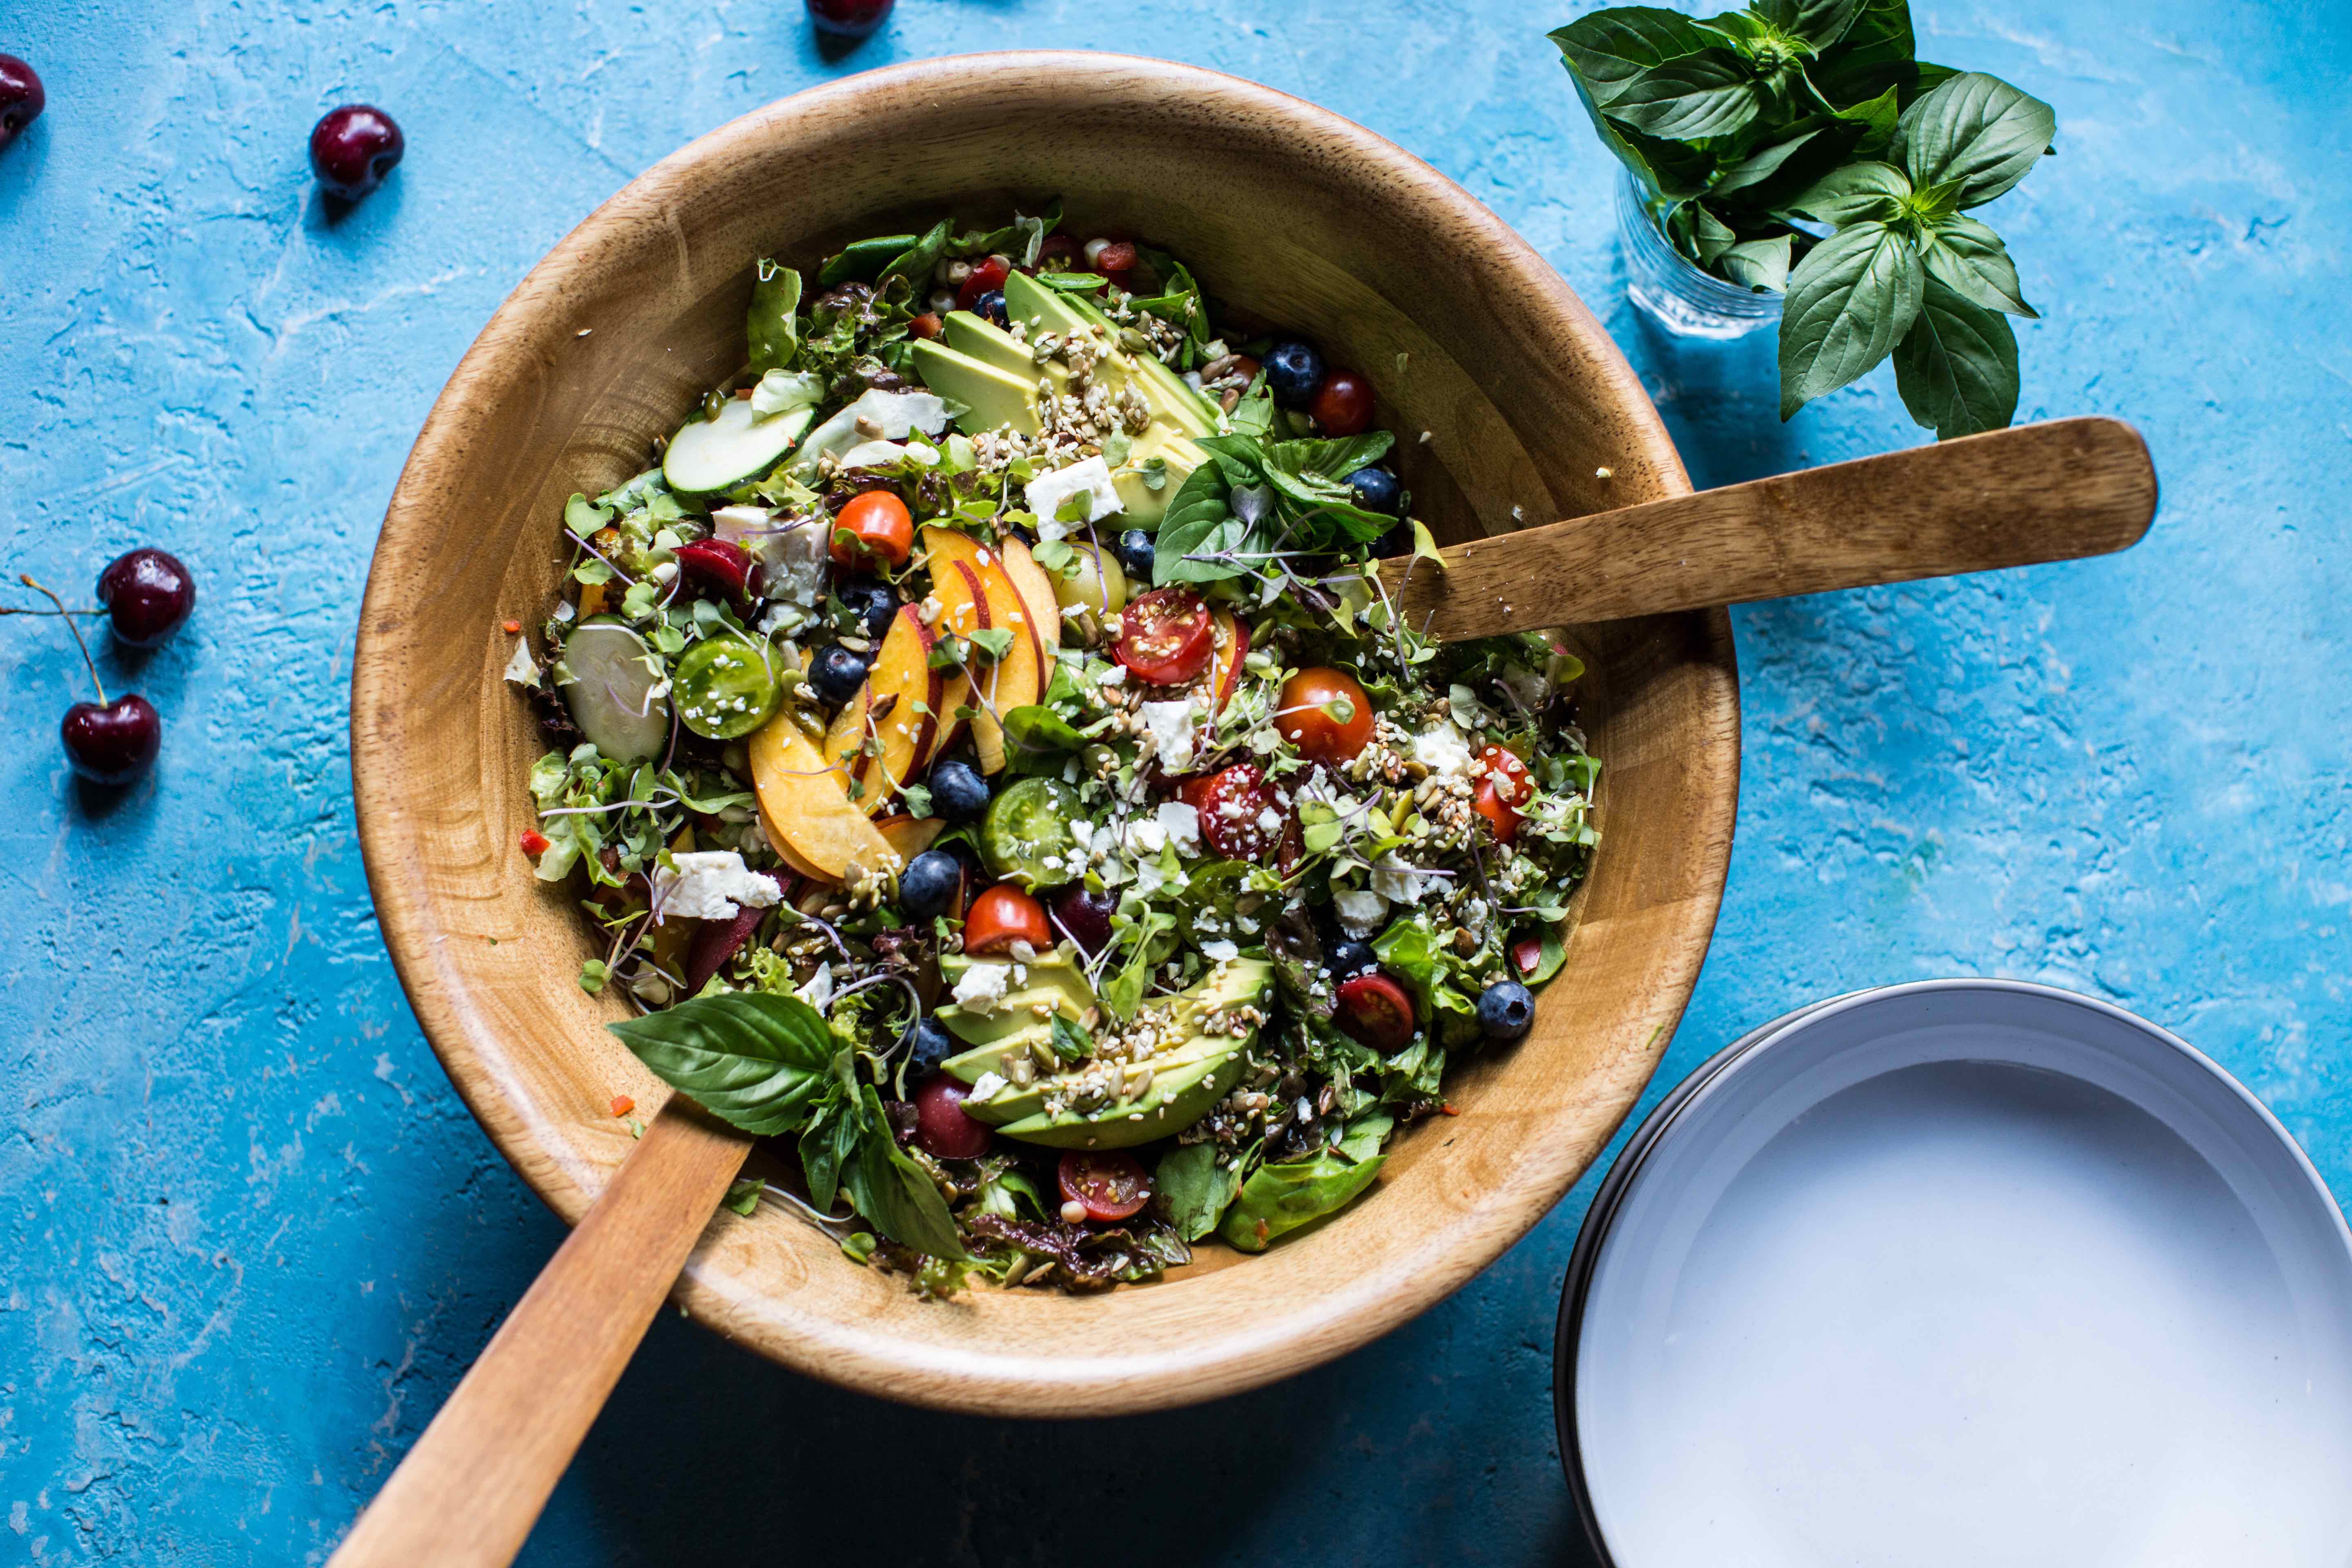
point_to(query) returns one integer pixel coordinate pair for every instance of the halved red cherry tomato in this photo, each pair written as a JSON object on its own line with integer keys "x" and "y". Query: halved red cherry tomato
{"x": 944, "y": 1129}
{"x": 1165, "y": 636}
{"x": 1344, "y": 405}
{"x": 874, "y": 526}
{"x": 1107, "y": 1183}
{"x": 1526, "y": 953}
{"x": 1114, "y": 261}
{"x": 1056, "y": 246}
{"x": 1002, "y": 915}
{"x": 1505, "y": 788}
{"x": 987, "y": 275}
{"x": 1231, "y": 803}
{"x": 926, "y": 325}
{"x": 1374, "y": 1011}
{"x": 1308, "y": 715}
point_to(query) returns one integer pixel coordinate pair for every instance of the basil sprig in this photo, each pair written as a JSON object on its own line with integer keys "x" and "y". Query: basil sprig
{"x": 1755, "y": 131}
{"x": 771, "y": 1066}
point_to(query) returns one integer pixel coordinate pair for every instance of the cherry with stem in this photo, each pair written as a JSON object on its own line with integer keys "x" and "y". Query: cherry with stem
{"x": 108, "y": 742}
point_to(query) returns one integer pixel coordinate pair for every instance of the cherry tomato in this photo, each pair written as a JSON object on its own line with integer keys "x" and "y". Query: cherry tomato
{"x": 1502, "y": 792}
{"x": 1306, "y": 720}
{"x": 534, "y": 843}
{"x": 1114, "y": 261}
{"x": 924, "y": 326}
{"x": 1166, "y": 638}
{"x": 1374, "y": 1011}
{"x": 1002, "y": 915}
{"x": 943, "y": 1128}
{"x": 1344, "y": 407}
{"x": 874, "y": 526}
{"x": 1056, "y": 246}
{"x": 987, "y": 276}
{"x": 1107, "y": 1183}
{"x": 1230, "y": 804}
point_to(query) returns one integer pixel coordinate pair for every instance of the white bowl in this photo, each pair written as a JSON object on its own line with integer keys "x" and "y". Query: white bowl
{"x": 1963, "y": 1272}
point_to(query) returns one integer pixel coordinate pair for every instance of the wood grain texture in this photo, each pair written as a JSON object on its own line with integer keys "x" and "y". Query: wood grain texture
{"x": 2052, "y": 491}
{"x": 1285, "y": 212}
{"x": 468, "y": 1494}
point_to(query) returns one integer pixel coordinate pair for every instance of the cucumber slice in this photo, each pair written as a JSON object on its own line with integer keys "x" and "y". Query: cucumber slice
{"x": 724, "y": 688}
{"x": 1027, "y": 826}
{"x": 614, "y": 685}
{"x": 711, "y": 454}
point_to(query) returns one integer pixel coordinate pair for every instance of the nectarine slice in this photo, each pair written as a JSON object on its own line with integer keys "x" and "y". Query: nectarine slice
{"x": 977, "y": 593}
{"x": 801, "y": 805}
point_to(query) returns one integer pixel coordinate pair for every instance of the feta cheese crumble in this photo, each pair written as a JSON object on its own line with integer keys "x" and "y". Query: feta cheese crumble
{"x": 1442, "y": 749}
{"x": 1046, "y": 492}
{"x": 1170, "y": 725}
{"x": 1181, "y": 824}
{"x": 982, "y": 986}
{"x": 710, "y": 884}
{"x": 1361, "y": 912}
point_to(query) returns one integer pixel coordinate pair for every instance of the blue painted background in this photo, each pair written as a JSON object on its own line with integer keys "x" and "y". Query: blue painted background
{"x": 249, "y": 1236}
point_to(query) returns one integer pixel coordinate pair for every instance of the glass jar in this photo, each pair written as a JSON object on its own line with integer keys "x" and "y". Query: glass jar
{"x": 1675, "y": 291}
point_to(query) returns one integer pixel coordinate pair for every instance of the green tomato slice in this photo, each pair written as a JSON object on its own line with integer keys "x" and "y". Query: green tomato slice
{"x": 724, "y": 688}
{"x": 1026, "y": 834}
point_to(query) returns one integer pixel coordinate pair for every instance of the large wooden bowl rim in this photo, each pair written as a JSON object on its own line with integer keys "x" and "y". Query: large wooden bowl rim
{"x": 746, "y": 1286}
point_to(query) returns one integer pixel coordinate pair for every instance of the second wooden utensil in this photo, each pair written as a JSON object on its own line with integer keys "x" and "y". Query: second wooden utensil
{"x": 2054, "y": 491}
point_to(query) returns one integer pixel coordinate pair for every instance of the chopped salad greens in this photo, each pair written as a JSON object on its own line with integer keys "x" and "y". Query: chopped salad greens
{"x": 994, "y": 767}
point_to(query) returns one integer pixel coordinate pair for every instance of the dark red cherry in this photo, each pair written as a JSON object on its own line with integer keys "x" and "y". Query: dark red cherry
{"x": 721, "y": 567}
{"x": 21, "y": 98}
{"x": 1084, "y": 917}
{"x": 113, "y": 744}
{"x": 848, "y": 18}
{"x": 147, "y": 594}
{"x": 353, "y": 148}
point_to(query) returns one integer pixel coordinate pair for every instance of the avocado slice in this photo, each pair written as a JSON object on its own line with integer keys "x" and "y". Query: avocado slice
{"x": 977, "y": 337}
{"x": 1052, "y": 311}
{"x": 992, "y": 398}
{"x": 1188, "y": 1076}
{"x": 1143, "y": 505}
{"x": 1054, "y": 984}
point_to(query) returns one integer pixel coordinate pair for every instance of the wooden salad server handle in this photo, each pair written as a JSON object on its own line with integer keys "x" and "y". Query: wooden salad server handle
{"x": 468, "y": 1492}
{"x": 2052, "y": 491}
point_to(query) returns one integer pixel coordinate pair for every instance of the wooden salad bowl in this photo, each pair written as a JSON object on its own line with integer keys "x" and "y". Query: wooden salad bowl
{"x": 1513, "y": 407}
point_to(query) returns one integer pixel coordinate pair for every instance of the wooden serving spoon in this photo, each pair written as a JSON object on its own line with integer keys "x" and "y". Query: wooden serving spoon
{"x": 470, "y": 1490}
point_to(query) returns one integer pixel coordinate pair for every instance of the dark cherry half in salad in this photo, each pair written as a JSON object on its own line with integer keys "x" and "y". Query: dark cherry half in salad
{"x": 21, "y": 96}
{"x": 353, "y": 149}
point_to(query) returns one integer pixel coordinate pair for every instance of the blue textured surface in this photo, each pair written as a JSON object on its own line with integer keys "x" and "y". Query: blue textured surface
{"x": 251, "y": 1237}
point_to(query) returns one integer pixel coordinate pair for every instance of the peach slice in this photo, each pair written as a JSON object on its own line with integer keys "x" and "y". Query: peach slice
{"x": 1036, "y": 590}
{"x": 1229, "y": 645}
{"x": 911, "y": 836}
{"x": 977, "y": 593}
{"x": 802, "y": 807}
{"x": 794, "y": 858}
{"x": 898, "y": 707}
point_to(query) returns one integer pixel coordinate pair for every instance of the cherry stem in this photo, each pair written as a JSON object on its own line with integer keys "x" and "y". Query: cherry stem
{"x": 22, "y": 610}
{"x": 27, "y": 578}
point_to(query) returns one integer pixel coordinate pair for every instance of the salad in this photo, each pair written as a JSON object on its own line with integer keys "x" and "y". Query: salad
{"x": 990, "y": 757}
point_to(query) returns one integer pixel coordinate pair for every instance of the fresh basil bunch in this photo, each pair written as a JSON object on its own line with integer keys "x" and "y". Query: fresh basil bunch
{"x": 1798, "y": 145}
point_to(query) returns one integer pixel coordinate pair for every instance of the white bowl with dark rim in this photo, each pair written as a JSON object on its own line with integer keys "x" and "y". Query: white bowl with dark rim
{"x": 1963, "y": 1271}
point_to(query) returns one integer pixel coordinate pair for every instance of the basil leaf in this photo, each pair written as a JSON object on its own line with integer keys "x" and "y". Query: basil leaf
{"x": 1195, "y": 1190}
{"x": 1855, "y": 194}
{"x": 1318, "y": 495}
{"x": 1968, "y": 259}
{"x": 1669, "y": 169}
{"x": 1335, "y": 458}
{"x": 863, "y": 258}
{"x": 826, "y": 1144}
{"x": 1712, "y": 94}
{"x": 771, "y": 323}
{"x": 1957, "y": 368}
{"x": 749, "y": 1059}
{"x": 1659, "y": 72}
{"x": 1198, "y": 523}
{"x": 1609, "y": 50}
{"x": 1239, "y": 458}
{"x": 892, "y": 1191}
{"x": 1819, "y": 23}
{"x": 1757, "y": 167}
{"x": 1253, "y": 416}
{"x": 1975, "y": 131}
{"x": 1874, "y": 57}
{"x": 1279, "y": 1199}
{"x": 1850, "y": 302}
{"x": 1876, "y": 119}
{"x": 1711, "y": 236}
{"x": 1761, "y": 264}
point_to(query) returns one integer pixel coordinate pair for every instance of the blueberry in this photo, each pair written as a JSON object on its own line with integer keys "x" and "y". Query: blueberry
{"x": 957, "y": 791}
{"x": 871, "y": 602}
{"x": 928, "y": 1045}
{"x": 1136, "y": 552}
{"x": 837, "y": 674}
{"x": 927, "y": 887}
{"x": 1294, "y": 373}
{"x": 991, "y": 305}
{"x": 1376, "y": 489}
{"x": 1505, "y": 1008}
{"x": 1349, "y": 959}
{"x": 1396, "y": 540}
